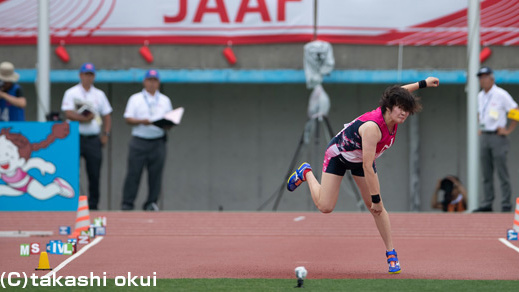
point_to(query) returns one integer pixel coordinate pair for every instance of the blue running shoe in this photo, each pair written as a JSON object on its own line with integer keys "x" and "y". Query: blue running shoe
{"x": 392, "y": 260}
{"x": 302, "y": 170}
{"x": 298, "y": 177}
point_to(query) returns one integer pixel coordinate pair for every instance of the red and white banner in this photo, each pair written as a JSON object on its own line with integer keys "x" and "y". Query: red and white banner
{"x": 378, "y": 22}
{"x": 412, "y": 22}
{"x": 160, "y": 21}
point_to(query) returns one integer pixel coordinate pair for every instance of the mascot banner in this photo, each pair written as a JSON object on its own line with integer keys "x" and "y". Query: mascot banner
{"x": 39, "y": 166}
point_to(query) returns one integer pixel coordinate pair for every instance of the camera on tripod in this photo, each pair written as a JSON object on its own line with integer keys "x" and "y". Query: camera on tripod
{"x": 318, "y": 61}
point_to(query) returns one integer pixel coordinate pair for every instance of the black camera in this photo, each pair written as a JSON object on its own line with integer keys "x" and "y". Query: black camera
{"x": 54, "y": 117}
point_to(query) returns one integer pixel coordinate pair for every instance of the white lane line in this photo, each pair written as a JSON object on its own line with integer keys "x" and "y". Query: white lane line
{"x": 505, "y": 242}
{"x": 73, "y": 257}
{"x": 20, "y": 233}
{"x": 299, "y": 218}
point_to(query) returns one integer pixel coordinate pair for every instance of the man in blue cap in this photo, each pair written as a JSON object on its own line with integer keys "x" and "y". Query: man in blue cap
{"x": 494, "y": 104}
{"x": 148, "y": 143}
{"x": 90, "y": 107}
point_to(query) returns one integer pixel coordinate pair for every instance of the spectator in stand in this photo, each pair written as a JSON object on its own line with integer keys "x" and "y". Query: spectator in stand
{"x": 454, "y": 195}
{"x": 12, "y": 102}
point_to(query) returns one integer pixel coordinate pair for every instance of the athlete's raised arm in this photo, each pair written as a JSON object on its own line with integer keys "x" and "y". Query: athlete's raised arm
{"x": 429, "y": 82}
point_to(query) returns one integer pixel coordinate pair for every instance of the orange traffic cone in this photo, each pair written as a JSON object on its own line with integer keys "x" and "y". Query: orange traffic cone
{"x": 516, "y": 216}
{"x": 83, "y": 217}
{"x": 44, "y": 262}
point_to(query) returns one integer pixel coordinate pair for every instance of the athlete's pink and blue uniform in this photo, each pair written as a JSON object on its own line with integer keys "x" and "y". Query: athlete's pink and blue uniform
{"x": 345, "y": 150}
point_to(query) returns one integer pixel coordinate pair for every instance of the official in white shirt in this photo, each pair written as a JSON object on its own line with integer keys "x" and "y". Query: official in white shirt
{"x": 90, "y": 107}
{"x": 148, "y": 143}
{"x": 494, "y": 103}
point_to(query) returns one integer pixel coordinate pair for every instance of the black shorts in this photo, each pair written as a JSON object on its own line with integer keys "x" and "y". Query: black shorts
{"x": 335, "y": 163}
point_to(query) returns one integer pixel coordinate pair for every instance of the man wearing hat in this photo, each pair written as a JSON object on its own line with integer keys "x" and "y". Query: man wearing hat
{"x": 148, "y": 143}
{"x": 12, "y": 102}
{"x": 90, "y": 107}
{"x": 493, "y": 105}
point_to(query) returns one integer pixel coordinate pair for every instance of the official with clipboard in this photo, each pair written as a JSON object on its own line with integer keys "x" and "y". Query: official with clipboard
{"x": 150, "y": 113}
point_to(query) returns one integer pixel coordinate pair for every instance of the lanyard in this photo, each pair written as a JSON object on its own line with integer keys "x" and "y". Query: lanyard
{"x": 483, "y": 111}
{"x": 150, "y": 103}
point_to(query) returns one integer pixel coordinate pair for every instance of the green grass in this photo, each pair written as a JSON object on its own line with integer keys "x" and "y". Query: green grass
{"x": 252, "y": 285}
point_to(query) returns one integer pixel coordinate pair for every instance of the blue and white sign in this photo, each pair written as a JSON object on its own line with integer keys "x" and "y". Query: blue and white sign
{"x": 39, "y": 166}
{"x": 64, "y": 230}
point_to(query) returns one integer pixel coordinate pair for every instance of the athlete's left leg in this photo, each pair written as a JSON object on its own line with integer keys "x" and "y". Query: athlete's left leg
{"x": 383, "y": 225}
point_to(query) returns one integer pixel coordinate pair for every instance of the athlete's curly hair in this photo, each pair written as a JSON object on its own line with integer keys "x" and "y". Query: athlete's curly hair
{"x": 401, "y": 97}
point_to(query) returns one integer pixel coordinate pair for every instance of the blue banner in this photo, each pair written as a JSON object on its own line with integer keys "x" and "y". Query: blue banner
{"x": 39, "y": 166}
{"x": 135, "y": 75}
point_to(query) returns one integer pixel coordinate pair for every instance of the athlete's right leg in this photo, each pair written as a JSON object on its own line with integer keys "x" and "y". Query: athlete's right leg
{"x": 324, "y": 195}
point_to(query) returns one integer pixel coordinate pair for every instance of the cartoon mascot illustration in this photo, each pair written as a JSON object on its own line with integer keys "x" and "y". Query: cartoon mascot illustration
{"x": 16, "y": 160}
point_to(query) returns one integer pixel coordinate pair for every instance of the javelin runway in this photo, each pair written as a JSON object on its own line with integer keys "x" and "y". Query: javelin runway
{"x": 271, "y": 245}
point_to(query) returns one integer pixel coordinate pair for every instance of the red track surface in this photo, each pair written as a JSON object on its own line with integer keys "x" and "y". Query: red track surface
{"x": 271, "y": 245}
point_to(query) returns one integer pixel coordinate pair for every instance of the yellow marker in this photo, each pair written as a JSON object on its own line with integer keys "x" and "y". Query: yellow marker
{"x": 513, "y": 114}
{"x": 44, "y": 262}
